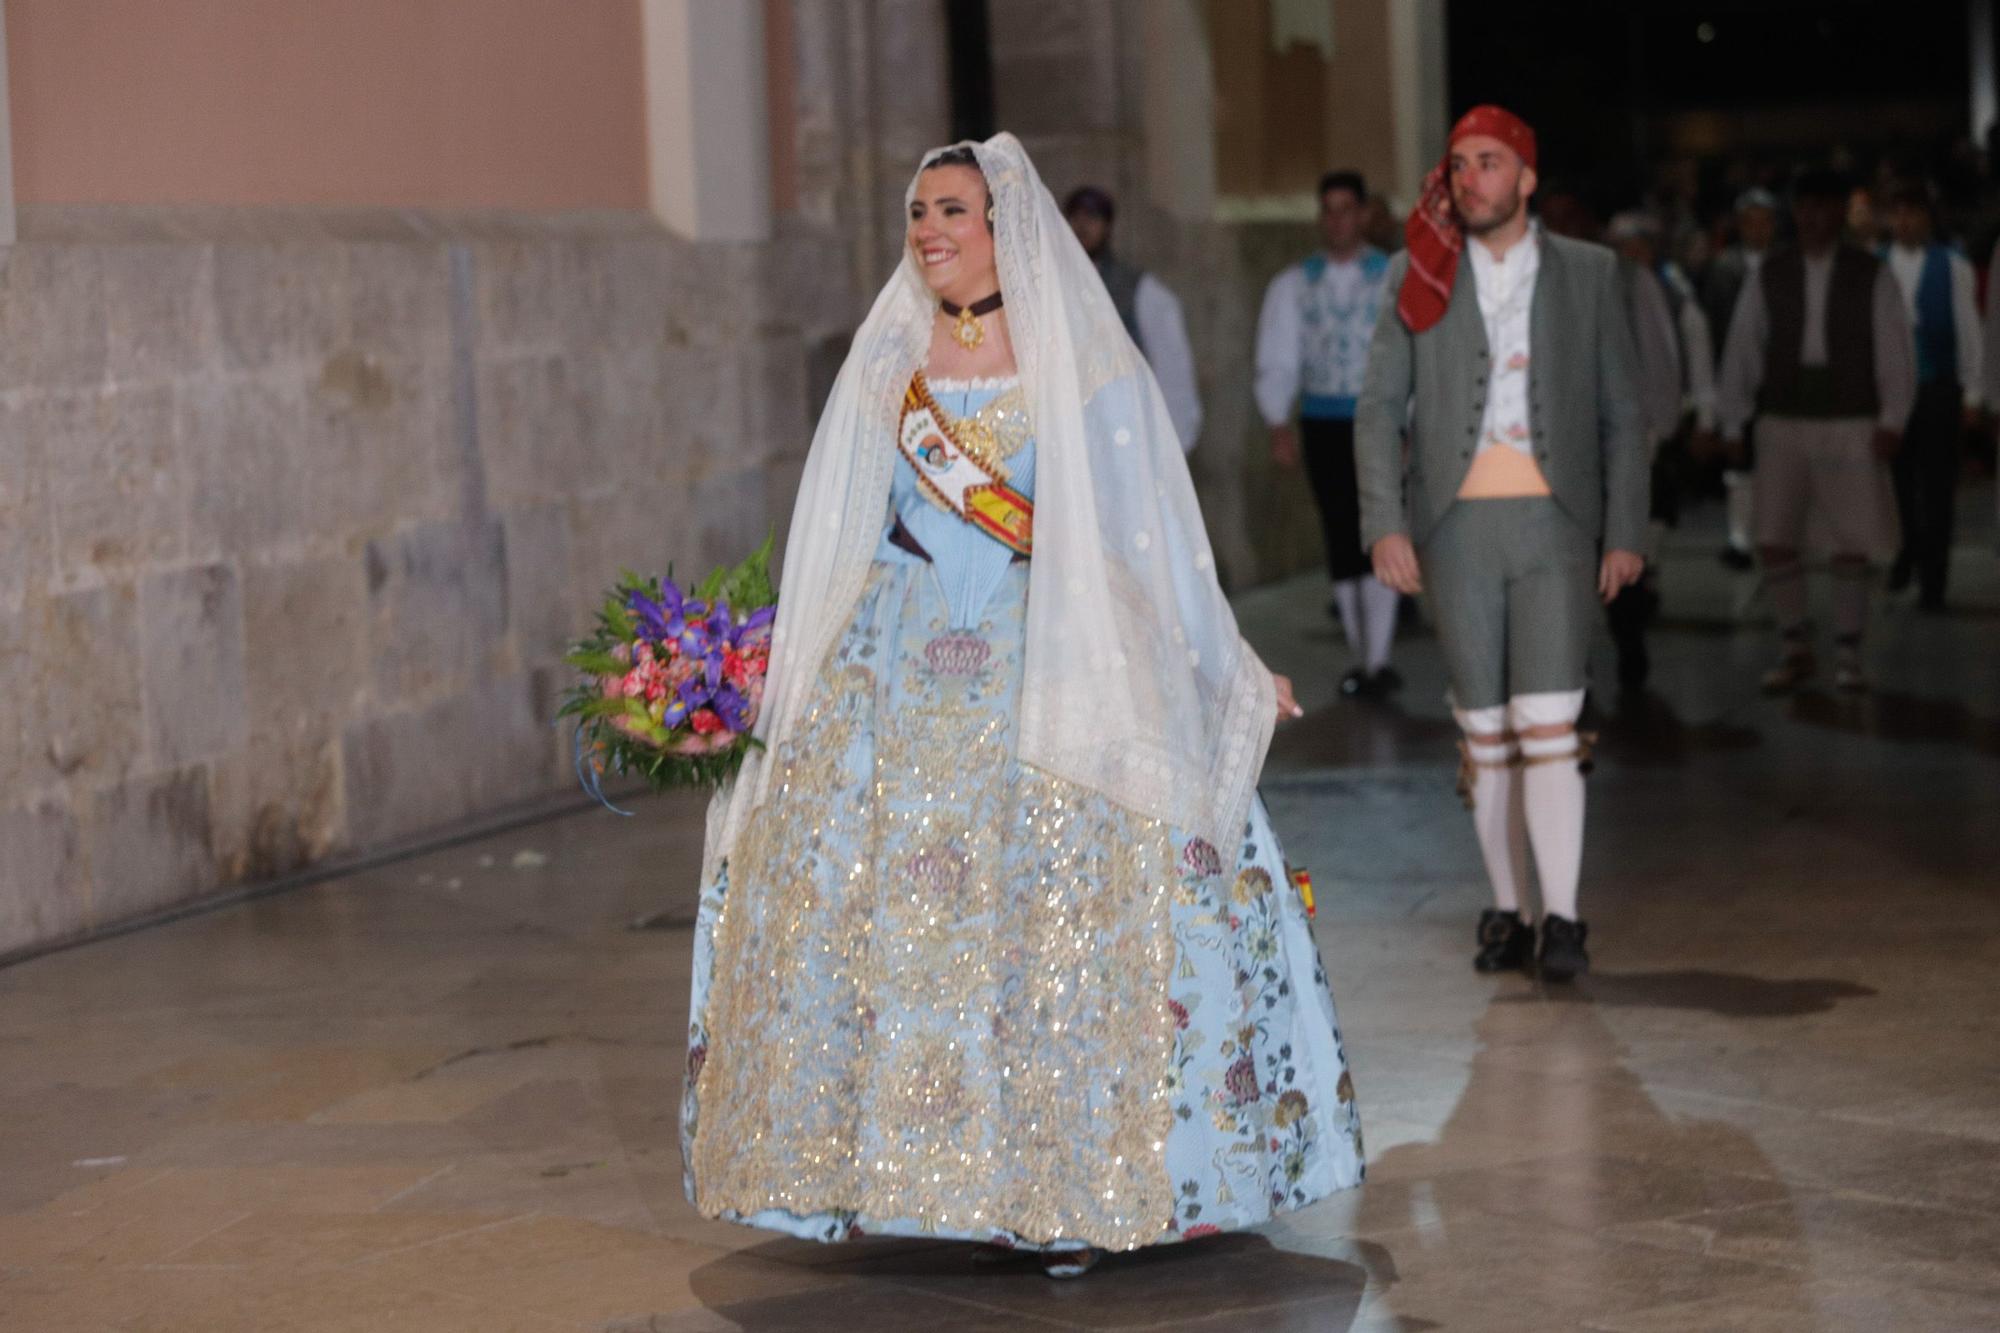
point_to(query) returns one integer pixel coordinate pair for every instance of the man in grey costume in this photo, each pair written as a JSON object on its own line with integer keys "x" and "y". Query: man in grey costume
{"x": 1526, "y": 479}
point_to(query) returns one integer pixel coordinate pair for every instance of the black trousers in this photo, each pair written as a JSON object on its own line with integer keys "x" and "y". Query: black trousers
{"x": 1328, "y": 447}
{"x": 1926, "y": 473}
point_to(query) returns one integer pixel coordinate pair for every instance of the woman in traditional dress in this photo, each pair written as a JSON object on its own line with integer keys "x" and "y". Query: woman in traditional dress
{"x": 995, "y": 941}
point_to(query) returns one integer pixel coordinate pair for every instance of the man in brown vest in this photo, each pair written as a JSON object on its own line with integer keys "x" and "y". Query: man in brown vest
{"x": 1819, "y": 351}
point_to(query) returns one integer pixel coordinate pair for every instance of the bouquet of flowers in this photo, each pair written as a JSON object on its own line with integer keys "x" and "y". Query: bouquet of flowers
{"x": 673, "y": 678}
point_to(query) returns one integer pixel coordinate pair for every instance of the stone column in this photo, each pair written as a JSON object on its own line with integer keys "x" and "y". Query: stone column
{"x": 708, "y": 118}
{"x": 1179, "y": 99}
{"x": 1417, "y": 75}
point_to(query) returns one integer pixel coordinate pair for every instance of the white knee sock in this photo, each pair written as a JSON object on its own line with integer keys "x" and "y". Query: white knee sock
{"x": 1497, "y": 822}
{"x": 1552, "y": 798}
{"x": 1496, "y": 805}
{"x": 1552, "y": 794}
{"x": 1736, "y": 487}
{"x": 1347, "y": 600}
{"x": 1378, "y": 619}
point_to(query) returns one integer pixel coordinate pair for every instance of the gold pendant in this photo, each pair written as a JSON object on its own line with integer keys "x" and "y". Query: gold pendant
{"x": 969, "y": 331}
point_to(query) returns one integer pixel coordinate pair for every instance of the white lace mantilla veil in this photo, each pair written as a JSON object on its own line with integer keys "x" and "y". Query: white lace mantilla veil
{"x": 1137, "y": 683}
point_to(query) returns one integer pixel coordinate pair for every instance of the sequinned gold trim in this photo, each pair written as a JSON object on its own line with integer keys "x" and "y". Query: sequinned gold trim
{"x": 940, "y": 981}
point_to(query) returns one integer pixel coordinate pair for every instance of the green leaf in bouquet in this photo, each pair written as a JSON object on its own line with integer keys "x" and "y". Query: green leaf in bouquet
{"x": 748, "y": 586}
{"x": 596, "y": 662}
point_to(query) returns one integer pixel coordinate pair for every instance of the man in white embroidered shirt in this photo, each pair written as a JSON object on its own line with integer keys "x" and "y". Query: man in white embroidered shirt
{"x": 1313, "y": 334}
{"x": 1150, "y": 312}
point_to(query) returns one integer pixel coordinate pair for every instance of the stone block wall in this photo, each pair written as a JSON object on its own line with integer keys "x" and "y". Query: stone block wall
{"x": 298, "y": 514}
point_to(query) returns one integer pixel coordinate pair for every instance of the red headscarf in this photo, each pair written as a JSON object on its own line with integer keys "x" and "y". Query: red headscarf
{"x": 1434, "y": 234}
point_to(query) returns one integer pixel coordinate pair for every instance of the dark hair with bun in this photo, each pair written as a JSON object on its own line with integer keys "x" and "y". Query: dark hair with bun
{"x": 958, "y": 155}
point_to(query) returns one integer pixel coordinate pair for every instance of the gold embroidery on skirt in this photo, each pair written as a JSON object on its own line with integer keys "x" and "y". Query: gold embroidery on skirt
{"x": 962, "y": 1021}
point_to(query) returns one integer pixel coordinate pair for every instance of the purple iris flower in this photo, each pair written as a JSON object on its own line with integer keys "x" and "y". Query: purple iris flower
{"x": 730, "y": 705}
{"x": 669, "y": 617}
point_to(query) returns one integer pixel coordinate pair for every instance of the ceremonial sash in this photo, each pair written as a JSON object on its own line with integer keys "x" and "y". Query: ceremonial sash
{"x": 958, "y": 474}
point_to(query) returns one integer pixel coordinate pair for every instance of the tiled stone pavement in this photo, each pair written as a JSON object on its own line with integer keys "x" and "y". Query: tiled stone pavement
{"x": 441, "y": 1095}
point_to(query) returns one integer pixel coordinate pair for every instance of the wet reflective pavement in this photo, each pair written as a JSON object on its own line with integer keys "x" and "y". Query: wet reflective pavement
{"x": 442, "y": 1094}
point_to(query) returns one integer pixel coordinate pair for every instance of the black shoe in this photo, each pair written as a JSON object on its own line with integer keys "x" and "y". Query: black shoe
{"x": 1563, "y": 957}
{"x": 1899, "y": 573}
{"x": 1386, "y": 681}
{"x": 1355, "y": 683}
{"x": 1506, "y": 943}
{"x": 1737, "y": 559}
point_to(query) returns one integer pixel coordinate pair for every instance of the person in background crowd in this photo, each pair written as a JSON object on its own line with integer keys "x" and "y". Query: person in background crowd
{"x": 1819, "y": 351}
{"x": 1661, "y": 377}
{"x": 1151, "y": 313}
{"x": 1864, "y": 219}
{"x": 1381, "y": 227}
{"x": 1756, "y": 231}
{"x": 1518, "y": 504}
{"x": 1313, "y": 334}
{"x": 1941, "y": 295}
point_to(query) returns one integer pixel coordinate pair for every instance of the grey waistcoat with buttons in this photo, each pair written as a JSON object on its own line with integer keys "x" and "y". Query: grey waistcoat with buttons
{"x": 1583, "y": 402}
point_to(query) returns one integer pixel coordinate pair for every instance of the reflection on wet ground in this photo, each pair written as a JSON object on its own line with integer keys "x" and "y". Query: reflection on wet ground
{"x": 443, "y": 1094}
{"x": 1895, "y": 716}
{"x": 1729, "y": 994}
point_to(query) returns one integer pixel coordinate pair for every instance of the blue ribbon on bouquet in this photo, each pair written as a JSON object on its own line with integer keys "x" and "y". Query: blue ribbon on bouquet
{"x": 588, "y": 774}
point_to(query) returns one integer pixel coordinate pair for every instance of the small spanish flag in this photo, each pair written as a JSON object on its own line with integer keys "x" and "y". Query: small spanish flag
{"x": 1302, "y": 880}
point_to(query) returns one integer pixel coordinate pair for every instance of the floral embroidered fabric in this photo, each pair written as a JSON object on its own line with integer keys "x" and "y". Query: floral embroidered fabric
{"x": 940, "y": 993}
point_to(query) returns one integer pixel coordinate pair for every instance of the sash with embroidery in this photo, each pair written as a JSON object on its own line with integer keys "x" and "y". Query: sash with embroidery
{"x": 961, "y": 472}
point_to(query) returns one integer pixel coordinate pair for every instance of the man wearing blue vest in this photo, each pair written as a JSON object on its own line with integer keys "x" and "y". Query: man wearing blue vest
{"x": 1312, "y": 350}
{"x": 1942, "y": 297}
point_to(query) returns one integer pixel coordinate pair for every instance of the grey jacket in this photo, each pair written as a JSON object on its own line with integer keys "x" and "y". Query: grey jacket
{"x": 1583, "y": 403}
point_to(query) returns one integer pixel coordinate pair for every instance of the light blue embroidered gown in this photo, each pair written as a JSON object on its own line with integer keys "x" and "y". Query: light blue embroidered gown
{"x": 937, "y": 993}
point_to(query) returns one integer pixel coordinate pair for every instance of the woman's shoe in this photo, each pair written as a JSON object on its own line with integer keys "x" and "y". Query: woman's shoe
{"x": 1069, "y": 1263}
{"x": 1355, "y": 683}
{"x": 1506, "y": 943}
{"x": 1563, "y": 958}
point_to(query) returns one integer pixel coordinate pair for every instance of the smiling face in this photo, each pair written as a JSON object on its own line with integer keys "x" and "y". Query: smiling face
{"x": 1489, "y": 183}
{"x": 948, "y": 235}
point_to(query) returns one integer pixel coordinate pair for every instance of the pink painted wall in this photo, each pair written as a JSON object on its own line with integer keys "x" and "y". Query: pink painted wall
{"x": 529, "y": 104}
